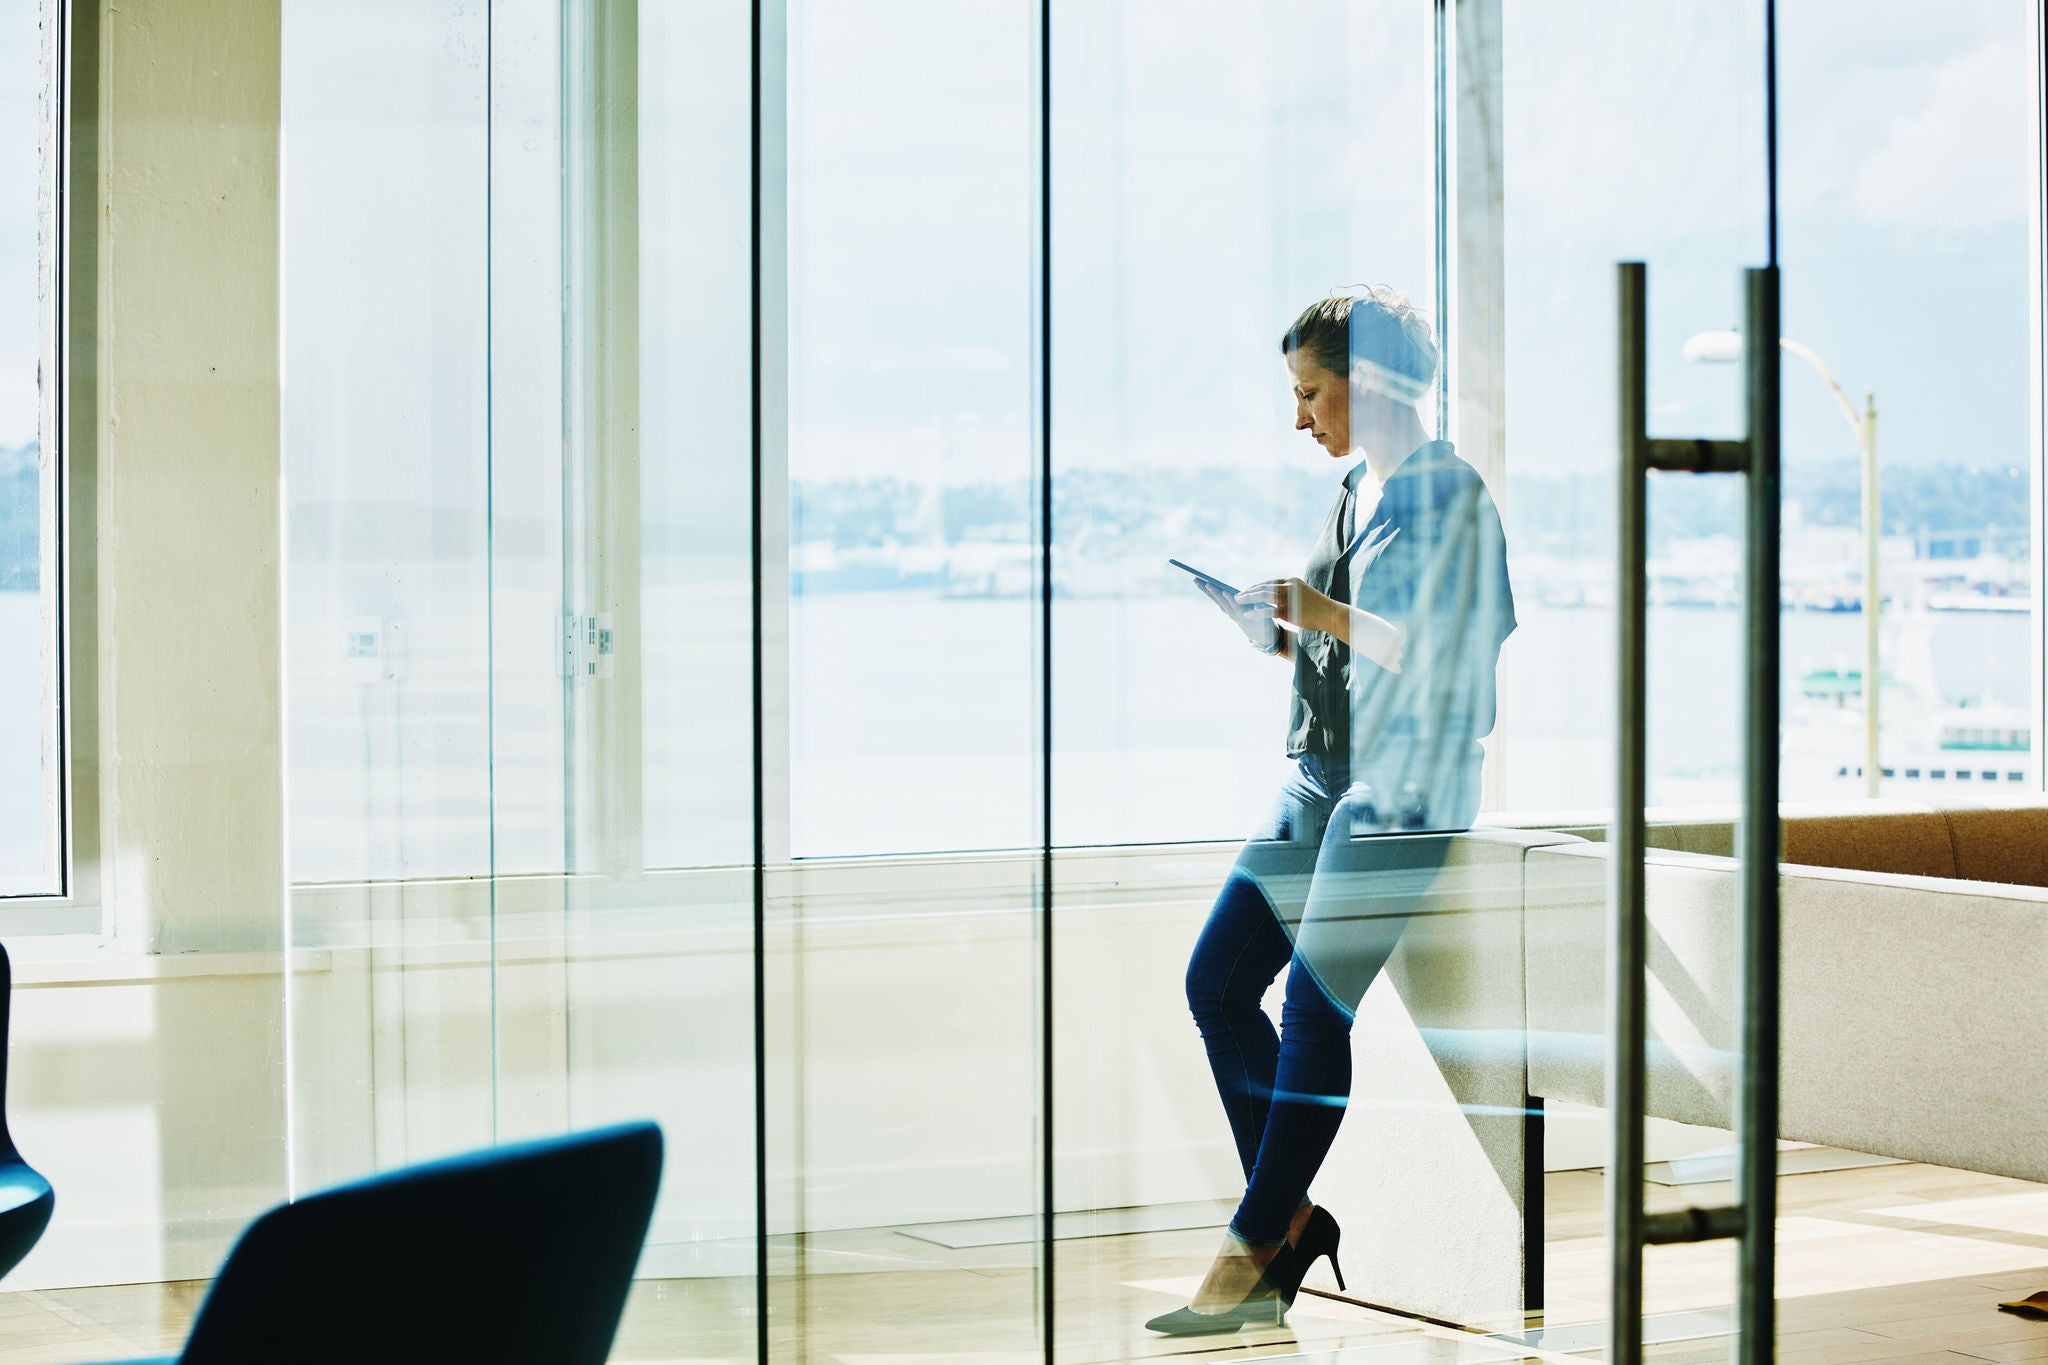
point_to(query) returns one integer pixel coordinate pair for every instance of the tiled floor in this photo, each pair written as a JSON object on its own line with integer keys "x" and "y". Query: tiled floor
{"x": 1901, "y": 1264}
{"x": 106, "y": 1323}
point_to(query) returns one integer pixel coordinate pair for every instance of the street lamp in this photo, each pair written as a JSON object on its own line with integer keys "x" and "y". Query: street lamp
{"x": 1715, "y": 347}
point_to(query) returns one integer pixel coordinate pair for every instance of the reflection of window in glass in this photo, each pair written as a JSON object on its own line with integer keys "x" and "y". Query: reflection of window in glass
{"x": 385, "y": 428}
{"x": 1597, "y": 95}
{"x": 695, "y": 496}
{"x": 29, "y": 753}
{"x": 1204, "y": 192}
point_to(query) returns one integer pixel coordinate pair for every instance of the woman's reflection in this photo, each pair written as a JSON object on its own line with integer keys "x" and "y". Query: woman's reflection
{"x": 1394, "y": 631}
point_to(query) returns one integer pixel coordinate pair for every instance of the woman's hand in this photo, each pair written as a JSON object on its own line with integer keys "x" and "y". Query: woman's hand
{"x": 1256, "y": 622}
{"x": 1296, "y": 603}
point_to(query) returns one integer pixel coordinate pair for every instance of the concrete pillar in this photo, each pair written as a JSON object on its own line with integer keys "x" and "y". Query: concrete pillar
{"x": 187, "y": 471}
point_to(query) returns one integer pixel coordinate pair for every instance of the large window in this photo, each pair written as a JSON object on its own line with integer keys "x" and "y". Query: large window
{"x": 1910, "y": 162}
{"x": 913, "y": 540}
{"x": 1202, "y": 193}
{"x": 677, "y": 403}
{"x": 30, "y": 757}
{"x": 386, "y": 445}
{"x": 1912, "y": 170}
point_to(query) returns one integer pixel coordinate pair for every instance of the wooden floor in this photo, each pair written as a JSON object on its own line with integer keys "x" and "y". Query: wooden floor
{"x": 1902, "y": 1264}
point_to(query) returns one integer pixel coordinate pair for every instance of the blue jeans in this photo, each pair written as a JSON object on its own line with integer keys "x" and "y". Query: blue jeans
{"x": 1323, "y": 889}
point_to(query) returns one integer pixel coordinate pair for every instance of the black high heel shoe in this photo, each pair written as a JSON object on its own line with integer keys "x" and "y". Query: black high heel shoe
{"x": 1265, "y": 1306}
{"x": 1319, "y": 1237}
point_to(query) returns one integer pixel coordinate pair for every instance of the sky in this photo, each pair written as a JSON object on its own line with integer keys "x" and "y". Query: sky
{"x": 20, "y": 135}
{"x": 1217, "y": 165}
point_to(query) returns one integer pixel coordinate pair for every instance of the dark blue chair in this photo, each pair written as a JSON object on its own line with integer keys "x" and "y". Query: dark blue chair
{"x": 519, "y": 1253}
{"x": 26, "y": 1199}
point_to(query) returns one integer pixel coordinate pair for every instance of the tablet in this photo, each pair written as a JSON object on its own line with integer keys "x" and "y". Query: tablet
{"x": 1210, "y": 579}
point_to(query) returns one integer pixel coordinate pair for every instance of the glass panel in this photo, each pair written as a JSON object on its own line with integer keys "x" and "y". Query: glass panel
{"x": 29, "y": 756}
{"x": 530, "y": 405}
{"x": 471, "y": 475}
{"x": 386, "y": 440}
{"x": 1912, "y": 171}
{"x": 1195, "y": 217}
{"x": 386, "y": 431}
{"x": 1206, "y": 190}
{"x": 1404, "y": 953}
{"x": 655, "y": 793}
{"x": 912, "y": 543}
{"x": 695, "y": 414}
{"x": 904, "y": 989}
{"x": 1626, "y": 138}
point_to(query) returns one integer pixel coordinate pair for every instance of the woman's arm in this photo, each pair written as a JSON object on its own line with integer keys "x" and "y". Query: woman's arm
{"x": 1299, "y": 605}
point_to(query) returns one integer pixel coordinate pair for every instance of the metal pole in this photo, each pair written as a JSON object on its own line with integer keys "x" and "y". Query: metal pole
{"x": 1757, "y": 1102}
{"x": 1048, "y": 1268}
{"x": 1440, "y": 119}
{"x": 1627, "y": 928}
{"x": 1873, "y": 595}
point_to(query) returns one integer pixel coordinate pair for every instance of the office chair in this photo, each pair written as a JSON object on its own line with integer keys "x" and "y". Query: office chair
{"x": 26, "y": 1199}
{"x": 519, "y": 1253}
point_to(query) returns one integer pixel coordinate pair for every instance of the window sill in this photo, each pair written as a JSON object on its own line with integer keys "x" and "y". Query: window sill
{"x": 92, "y": 960}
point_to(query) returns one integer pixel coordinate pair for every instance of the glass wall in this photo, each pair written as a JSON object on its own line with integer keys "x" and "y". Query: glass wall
{"x": 388, "y": 631}
{"x": 519, "y": 558}
{"x": 655, "y": 1015}
{"x": 1694, "y": 221}
{"x": 912, "y": 614}
{"x": 736, "y": 674}
{"x": 1627, "y": 137}
{"x": 1204, "y": 191}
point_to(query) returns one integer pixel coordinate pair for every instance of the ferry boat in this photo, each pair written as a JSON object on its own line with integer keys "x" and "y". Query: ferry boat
{"x": 1973, "y": 748}
{"x": 1970, "y": 747}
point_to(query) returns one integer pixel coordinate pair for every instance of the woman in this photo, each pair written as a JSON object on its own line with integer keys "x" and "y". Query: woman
{"x": 1394, "y": 631}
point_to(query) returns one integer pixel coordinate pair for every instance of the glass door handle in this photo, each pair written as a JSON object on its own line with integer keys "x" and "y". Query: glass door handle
{"x": 1753, "y": 1218}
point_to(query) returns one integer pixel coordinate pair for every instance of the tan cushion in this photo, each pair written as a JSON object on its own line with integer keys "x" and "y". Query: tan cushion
{"x": 1912, "y": 844}
{"x": 2001, "y": 843}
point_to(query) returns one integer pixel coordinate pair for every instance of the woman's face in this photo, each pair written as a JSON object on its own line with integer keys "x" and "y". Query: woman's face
{"x": 1322, "y": 404}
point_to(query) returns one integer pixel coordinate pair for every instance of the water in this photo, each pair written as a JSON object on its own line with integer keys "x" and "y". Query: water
{"x": 24, "y": 814}
{"x": 913, "y": 725}
{"x": 1167, "y": 727}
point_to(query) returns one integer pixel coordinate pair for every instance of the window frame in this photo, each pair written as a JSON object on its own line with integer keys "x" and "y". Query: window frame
{"x": 2037, "y": 379}
{"x": 69, "y": 262}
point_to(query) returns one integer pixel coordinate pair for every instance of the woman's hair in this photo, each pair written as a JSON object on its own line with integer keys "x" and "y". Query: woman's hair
{"x": 1370, "y": 334}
